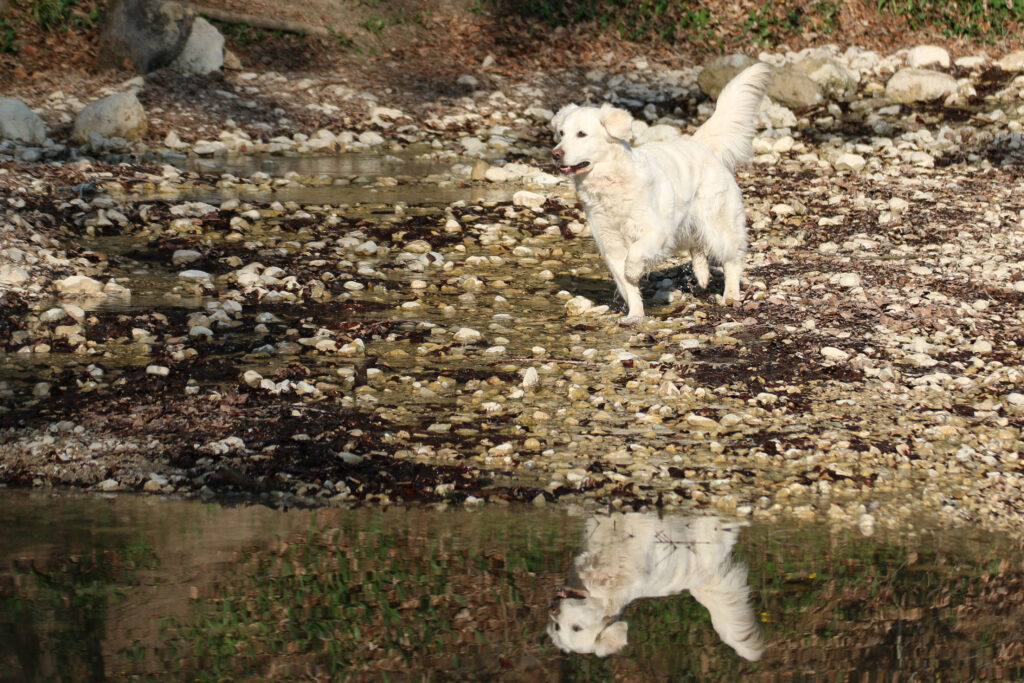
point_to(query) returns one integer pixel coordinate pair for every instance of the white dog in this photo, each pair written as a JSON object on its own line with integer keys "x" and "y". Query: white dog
{"x": 669, "y": 193}
{"x": 634, "y": 555}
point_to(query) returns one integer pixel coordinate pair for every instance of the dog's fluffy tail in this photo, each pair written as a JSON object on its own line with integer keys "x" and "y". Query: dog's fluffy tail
{"x": 730, "y": 129}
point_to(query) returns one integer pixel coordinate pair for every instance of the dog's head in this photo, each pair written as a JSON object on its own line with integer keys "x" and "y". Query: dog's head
{"x": 588, "y": 135}
{"x": 580, "y": 623}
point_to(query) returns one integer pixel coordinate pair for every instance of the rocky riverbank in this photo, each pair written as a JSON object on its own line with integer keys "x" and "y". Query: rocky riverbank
{"x": 436, "y": 326}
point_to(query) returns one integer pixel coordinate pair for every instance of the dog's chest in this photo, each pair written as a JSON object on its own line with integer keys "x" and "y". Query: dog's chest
{"x": 607, "y": 196}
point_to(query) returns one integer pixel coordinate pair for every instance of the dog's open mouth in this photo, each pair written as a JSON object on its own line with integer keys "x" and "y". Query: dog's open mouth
{"x": 564, "y": 592}
{"x": 578, "y": 168}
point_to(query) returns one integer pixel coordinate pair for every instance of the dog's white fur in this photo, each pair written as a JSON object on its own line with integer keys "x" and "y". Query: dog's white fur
{"x": 631, "y": 556}
{"x": 668, "y": 193}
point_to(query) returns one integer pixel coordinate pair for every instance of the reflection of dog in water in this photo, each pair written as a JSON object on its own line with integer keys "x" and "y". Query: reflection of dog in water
{"x": 630, "y": 556}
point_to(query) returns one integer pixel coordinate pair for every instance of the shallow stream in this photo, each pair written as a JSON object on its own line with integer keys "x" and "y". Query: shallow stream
{"x": 130, "y": 588}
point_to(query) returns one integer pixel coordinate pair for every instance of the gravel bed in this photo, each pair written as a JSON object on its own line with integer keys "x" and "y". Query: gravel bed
{"x": 169, "y": 326}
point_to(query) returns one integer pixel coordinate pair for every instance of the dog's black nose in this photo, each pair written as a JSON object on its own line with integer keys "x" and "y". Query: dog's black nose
{"x": 557, "y": 154}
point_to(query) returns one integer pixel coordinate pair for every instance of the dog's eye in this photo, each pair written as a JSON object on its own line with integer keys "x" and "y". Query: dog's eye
{"x": 558, "y": 627}
{"x": 577, "y": 628}
{"x": 561, "y": 133}
{"x": 581, "y": 134}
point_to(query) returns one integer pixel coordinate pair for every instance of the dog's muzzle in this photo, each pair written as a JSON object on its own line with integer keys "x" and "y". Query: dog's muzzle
{"x": 558, "y": 154}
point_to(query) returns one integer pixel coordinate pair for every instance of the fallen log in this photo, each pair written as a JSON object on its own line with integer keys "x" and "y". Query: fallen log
{"x": 231, "y": 17}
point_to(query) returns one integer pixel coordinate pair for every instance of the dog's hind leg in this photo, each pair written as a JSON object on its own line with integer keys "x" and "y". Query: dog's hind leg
{"x": 724, "y": 236}
{"x": 733, "y": 271}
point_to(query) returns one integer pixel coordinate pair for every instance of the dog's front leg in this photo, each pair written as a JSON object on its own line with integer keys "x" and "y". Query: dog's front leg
{"x": 615, "y": 254}
{"x": 645, "y": 250}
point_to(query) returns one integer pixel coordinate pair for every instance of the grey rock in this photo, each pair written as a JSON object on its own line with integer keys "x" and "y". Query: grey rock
{"x": 96, "y": 142}
{"x": 919, "y": 85}
{"x": 183, "y": 256}
{"x": 829, "y": 73}
{"x": 147, "y": 34}
{"x": 118, "y": 115}
{"x": 793, "y": 88}
{"x": 30, "y": 155}
{"x": 720, "y": 71}
{"x": 18, "y": 122}
{"x": 204, "y": 50}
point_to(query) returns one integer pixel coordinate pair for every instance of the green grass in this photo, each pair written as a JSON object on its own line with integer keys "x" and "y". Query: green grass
{"x": 52, "y": 16}
{"x": 985, "y": 20}
{"x": 668, "y": 21}
{"x": 60, "y": 15}
{"x": 8, "y": 33}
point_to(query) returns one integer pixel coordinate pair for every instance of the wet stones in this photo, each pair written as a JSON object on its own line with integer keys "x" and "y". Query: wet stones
{"x": 467, "y": 335}
{"x": 79, "y": 285}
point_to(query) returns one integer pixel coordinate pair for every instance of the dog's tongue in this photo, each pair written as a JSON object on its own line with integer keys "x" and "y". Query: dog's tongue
{"x": 566, "y": 592}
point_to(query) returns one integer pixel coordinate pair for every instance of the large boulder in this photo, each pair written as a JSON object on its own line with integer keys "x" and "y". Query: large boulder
{"x": 720, "y": 71}
{"x": 120, "y": 115}
{"x": 203, "y": 52}
{"x": 793, "y": 88}
{"x": 828, "y": 72}
{"x": 788, "y": 86}
{"x": 919, "y": 85}
{"x": 148, "y": 34}
{"x": 18, "y": 122}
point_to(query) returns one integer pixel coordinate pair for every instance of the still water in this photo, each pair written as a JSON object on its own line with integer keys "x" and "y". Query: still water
{"x": 133, "y": 588}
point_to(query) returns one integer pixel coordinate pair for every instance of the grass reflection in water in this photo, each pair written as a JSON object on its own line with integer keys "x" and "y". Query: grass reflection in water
{"x": 144, "y": 589}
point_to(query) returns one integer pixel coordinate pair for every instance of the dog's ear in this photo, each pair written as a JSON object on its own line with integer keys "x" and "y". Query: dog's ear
{"x": 558, "y": 119}
{"x": 618, "y": 122}
{"x": 611, "y": 639}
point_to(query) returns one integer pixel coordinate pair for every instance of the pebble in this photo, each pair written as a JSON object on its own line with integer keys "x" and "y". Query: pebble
{"x": 467, "y": 335}
{"x": 833, "y": 354}
{"x": 578, "y": 305}
{"x": 13, "y": 275}
{"x": 850, "y": 162}
{"x": 79, "y": 284}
